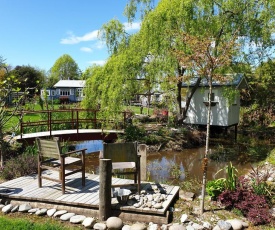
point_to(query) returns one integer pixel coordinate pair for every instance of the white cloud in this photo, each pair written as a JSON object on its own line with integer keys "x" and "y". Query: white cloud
{"x": 98, "y": 62}
{"x": 131, "y": 26}
{"x": 86, "y": 49}
{"x": 72, "y": 39}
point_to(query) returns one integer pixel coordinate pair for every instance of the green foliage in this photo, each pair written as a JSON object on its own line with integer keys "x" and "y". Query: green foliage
{"x": 215, "y": 187}
{"x": 133, "y": 133}
{"x": 230, "y": 181}
{"x": 64, "y": 68}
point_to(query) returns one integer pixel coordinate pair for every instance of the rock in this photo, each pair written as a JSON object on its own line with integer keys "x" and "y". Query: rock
{"x": 236, "y": 224}
{"x": 7, "y": 208}
{"x": 33, "y": 210}
{"x": 216, "y": 228}
{"x": 189, "y": 227}
{"x": 24, "y": 208}
{"x": 15, "y": 208}
{"x": 50, "y": 212}
{"x": 197, "y": 226}
{"x": 188, "y": 196}
{"x": 158, "y": 206}
{"x": 138, "y": 226}
{"x": 41, "y": 212}
{"x": 224, "y": 225}
{"x": 77, "y": 219}
{"x": 126, "y": 227}
{"x": 164, "y": 227}
{"x": 114, "y": 223}
{"x": 89, "y": 222}
{"x": 59, "y": 213}
{"x": 245, "y": 224}
{"x": 183, "y": 218}
{"x": 177, "y": 226}
{"x": 152, "y": 226}
{"x": 100, "y": 226}
{"x": 67, "y": 216}
{"x": 207, "y": 225}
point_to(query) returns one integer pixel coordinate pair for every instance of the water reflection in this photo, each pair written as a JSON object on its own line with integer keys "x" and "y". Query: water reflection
{"x": 167, "y": 166}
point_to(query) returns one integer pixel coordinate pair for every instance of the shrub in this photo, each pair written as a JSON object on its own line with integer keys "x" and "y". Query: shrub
{"x": 21, "y": 165}
{"x": 215, "y": 187}
{"x": 133, "y": 133}
{"x": 253, "y": 206}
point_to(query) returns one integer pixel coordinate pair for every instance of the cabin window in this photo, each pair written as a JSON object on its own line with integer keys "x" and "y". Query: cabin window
{"x": 71, "y": 91}
{"x": 64, "y": 92}
{"x": 79, "y": 92}
{"x": 212, "y": 97}
{"x": 53, "y": 92}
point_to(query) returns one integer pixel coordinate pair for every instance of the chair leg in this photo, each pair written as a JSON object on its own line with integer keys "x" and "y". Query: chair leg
{"x": 39, "y": 177}
{"x": 83, "y": 176}
{"x": 62, "y": 174}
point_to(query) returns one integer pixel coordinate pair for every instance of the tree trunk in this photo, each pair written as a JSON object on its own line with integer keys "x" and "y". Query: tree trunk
{"x": 205, "y": 160}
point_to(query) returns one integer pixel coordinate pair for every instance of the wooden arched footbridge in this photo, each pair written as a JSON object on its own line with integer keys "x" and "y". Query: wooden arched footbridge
{"x": 69, "y": 124}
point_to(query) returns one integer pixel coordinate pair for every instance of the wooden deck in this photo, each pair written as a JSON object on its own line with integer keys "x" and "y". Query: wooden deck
{"x": 83, "y": 200}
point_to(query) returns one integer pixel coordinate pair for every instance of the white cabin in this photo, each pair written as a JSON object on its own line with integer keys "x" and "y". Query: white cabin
{"x": 224, "y": 113}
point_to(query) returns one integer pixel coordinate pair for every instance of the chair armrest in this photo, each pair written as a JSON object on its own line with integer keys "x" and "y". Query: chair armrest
{"x": 75, "y": 151}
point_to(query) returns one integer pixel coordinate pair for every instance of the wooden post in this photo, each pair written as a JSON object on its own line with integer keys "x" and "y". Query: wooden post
{"x": 143, "y": 161}
{"x": 105, "y": 178}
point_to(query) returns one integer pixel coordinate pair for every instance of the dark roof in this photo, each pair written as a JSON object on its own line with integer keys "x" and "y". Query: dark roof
{"x": 238, "y": 80}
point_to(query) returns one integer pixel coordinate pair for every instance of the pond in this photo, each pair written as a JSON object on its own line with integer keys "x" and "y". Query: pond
{"x": 168, "y": 166}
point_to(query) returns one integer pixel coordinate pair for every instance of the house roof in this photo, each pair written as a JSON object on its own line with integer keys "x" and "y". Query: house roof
{"x": 70, "y": 84}
{"x": 238, "y": 80}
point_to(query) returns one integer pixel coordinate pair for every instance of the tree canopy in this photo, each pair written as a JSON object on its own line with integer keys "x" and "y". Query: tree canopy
{"x": 150, "y": 53}
{"x": 64, "y": 68}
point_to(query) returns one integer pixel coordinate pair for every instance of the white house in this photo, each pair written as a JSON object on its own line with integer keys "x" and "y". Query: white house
{"x": 66, "y": 90}
{"x": 225, "y": 112}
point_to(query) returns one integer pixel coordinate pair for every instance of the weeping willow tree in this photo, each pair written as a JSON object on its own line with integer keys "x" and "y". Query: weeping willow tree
{"x": 149, "y": 54}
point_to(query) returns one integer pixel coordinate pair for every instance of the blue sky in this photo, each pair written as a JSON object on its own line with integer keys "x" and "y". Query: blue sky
{"x": 38, "y": 32}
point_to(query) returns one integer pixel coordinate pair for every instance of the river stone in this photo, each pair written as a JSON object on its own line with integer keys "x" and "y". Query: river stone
{"x": 189, "y": 227}
{"x": 197, "y": 226}
{"x": 24, "y": 208}
{"x": 7, "y": 208}
{"x": 67, "y": 216}
{"x": 100, "y": 226}
{"x": 41, "y": 212}
{"x": 236, "y": 224}
{"x": 33, "y": 210}
{"x": 138, "y": 226}
{"x": 126, "y": 227}
{"x": 158, "y": 206}
{"x": 177, "y": 226}
{"x": 50, "y": 212}
{"x": 216, "y": 228}
{"x": 224, "y": 225}
{"x": 2, "y": 206}
{"x": 15, "y": 208}
{"x": 114, "y": 223}
{"x": 89, "y": 222}
{"x": 152, "y": 226}
{"x": 183, "y": 218}
{"x": 59, "y": 213}
{"x": 77, "y": 219}
{"x": 207, "y": 225}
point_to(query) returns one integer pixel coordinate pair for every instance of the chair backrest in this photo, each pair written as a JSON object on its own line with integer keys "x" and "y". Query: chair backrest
{"x": 49, "y": 148}
{"x": 120, "y": 152}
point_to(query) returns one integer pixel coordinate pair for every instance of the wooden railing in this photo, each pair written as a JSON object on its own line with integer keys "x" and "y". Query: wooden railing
{"x": 67, "y": 119}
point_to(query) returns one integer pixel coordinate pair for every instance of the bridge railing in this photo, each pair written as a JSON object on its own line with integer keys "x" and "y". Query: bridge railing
{"x": 68, "y": 119}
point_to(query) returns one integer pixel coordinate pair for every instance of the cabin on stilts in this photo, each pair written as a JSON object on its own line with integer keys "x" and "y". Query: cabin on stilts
{"x": 225, "y": 102}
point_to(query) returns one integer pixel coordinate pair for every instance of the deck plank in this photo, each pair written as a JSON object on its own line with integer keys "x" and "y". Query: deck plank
{"x": 26, "y": 189}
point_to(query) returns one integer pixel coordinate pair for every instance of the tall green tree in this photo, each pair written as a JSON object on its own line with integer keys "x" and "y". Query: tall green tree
{"x": 64, "y": 68}
{"x": 29, "y": 77}
{"x": 8, "y": 85}
{"x": 149, "y": 54}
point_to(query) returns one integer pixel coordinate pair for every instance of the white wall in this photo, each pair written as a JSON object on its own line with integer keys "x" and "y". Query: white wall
{"x": 221, "y": 114}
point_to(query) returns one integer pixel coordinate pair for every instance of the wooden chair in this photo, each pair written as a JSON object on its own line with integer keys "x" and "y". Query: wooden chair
{"x": 125, "y": 160}
{"x": 50, "y": 157}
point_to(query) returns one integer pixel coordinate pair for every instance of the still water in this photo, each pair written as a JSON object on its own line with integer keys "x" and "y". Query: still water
{"x": 167, "y": 166}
